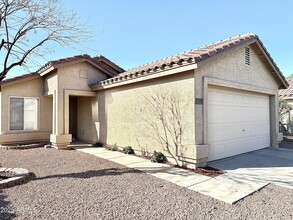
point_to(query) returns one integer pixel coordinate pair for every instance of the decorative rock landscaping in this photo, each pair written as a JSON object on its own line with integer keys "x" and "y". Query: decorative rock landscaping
{"x": 74, "y": 185}
{"x": 14, "y": 176}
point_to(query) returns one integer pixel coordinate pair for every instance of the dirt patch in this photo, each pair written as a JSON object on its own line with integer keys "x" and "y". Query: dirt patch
{"x": 209, "y": 171}
{"x": 206, "y": 171}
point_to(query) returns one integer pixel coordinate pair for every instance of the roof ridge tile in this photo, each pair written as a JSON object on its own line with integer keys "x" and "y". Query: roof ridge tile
{"x": 199, "y": 48}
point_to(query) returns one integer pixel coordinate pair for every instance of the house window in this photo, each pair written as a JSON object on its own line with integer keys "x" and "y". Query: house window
{"x": 24, "y": 114}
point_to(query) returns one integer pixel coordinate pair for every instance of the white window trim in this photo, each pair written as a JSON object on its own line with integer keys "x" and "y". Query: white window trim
{"x": 24, "y": 131}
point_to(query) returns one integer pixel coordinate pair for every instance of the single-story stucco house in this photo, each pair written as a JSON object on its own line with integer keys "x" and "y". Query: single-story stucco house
{"x": 228, "y": 94}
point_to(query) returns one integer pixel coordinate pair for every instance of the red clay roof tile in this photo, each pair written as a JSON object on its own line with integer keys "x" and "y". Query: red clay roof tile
{"x": 111, "y": 68}
{"x": 189, "y": 57}
{"x": 24, "y": 76}
{"x": 105, "y": 64}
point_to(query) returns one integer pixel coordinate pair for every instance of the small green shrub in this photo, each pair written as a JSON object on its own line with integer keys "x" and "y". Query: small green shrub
{"x": 98, "y": 144}
{"x": 128, "y": 150}
{"x": 158, "y": 157}
{"x": 112, "y": 147}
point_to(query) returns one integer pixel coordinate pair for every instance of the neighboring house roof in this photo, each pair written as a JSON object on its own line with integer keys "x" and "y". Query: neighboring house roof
{"x": 192, "y": 57}
{"x": 287, "y": 93}
{"x": 23, "y": 77}
{"x": 100, "y": 62}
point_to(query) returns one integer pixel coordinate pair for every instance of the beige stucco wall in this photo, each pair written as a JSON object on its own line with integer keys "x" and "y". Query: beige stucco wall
{"x": 78, "y": 76}
{"x": 50, "y": 83}
{"x": 75, "y": 76}
{"x": 231, "y": 66}
{"x": 29, "y": 88}
{"x": 123, "y": 111}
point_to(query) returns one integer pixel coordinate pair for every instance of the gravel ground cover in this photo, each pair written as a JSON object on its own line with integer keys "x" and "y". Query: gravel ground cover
{"x": 74, "y": 185}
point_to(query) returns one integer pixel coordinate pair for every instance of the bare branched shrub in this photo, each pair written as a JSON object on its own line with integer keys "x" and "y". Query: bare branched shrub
{"x": 28, "y": 27}
{"x": 163, "y": 112}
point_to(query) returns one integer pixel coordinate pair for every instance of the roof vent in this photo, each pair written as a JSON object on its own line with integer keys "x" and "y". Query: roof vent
{"x": 247, "y": 56}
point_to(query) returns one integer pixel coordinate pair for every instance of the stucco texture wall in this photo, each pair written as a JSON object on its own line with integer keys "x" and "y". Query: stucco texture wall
{"x": 231, "y": 66}
{"x": 78, "y": 76}
{"x": 75, "y": 76}
{"x": 126, "y": 117}
{"x": 30, "y": 88}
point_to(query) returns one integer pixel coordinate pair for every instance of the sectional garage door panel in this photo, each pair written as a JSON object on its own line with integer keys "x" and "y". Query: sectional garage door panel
{"x": 237, "y": 122}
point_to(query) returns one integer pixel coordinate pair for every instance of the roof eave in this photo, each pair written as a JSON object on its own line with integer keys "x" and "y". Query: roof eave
{"x": 19, "y": 80}
{"x": 56, "y": 66}
{"x": 283, "y": 82}
{"x": 111, "y": 64}
{"x": 46, "y": 71}
{"x": 147, "y": 76}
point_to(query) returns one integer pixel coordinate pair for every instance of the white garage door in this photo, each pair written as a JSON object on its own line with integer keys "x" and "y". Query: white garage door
{"x": 238, "y": 122}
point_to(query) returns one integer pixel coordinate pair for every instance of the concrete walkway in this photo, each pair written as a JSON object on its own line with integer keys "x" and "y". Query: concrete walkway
{"x": 224, "y": 187}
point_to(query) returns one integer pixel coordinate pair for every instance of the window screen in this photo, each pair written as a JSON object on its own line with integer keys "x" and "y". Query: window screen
{"x": 16, "y": 113}
{"x": 23, "y": 114}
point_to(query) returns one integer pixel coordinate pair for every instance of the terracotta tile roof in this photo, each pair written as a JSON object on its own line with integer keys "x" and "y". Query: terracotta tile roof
{"x": 187, "y": 58}
{"x": 24, "y": 76}
{"x": 286, "y": 93}
{"x": 101, "y": 62}
{"x": 105, "y": 64}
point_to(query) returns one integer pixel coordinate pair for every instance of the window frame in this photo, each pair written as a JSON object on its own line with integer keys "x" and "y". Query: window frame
{"x": 38, "y": 117}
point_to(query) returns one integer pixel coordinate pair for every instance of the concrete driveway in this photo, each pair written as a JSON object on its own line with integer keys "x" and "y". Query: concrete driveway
{"x": 269, "y": 165}
{"x": 246, "y": 173}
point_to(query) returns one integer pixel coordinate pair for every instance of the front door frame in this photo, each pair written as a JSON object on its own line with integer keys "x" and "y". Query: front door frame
{"x": 70, "y": 92}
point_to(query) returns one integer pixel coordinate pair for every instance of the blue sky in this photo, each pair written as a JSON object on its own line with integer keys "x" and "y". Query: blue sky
{"x": 135, "y": 32}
